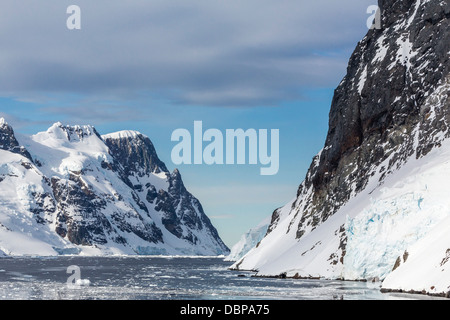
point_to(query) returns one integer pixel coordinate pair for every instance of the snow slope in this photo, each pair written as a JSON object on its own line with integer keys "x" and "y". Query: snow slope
{"x": 425, "y": 266}
{"x": 380, "y": 224}
{"x": 408, "y": 212}
{"x": 248, "y": 240}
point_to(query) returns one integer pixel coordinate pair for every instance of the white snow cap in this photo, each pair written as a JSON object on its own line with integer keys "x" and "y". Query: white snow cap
{"x": 125, "y": 134}
{"x": 3, "y": 121}
{"x": 88, "y": 129}
{"x": 54, "y": 126}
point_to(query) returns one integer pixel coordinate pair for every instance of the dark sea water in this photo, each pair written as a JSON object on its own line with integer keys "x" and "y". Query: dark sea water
{"x": 161, "y": 278}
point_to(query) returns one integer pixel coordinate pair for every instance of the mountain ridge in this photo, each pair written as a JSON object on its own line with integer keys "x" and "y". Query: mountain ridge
{"x": 73, "y": 191}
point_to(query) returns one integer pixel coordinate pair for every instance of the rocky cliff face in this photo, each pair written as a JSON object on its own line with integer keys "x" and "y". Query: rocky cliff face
{"x": 8, "y": 141}
{"x": 382, "y": 105}
{"x": 392, "y": 106}
{"x": 181, "y": 213}
{"x": 70, "y": 190}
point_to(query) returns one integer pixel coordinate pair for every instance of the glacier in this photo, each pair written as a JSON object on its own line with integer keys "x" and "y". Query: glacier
{"x": 248, "y": 240}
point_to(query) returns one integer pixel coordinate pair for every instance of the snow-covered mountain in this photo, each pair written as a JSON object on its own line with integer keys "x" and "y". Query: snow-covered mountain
{"x": 378, "y": 187}
{"x": 248, "y": 241}
{"x": 69, "y": 190}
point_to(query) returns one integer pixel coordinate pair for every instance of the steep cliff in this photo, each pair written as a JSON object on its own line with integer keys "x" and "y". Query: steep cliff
{"x": 387, "y": 115}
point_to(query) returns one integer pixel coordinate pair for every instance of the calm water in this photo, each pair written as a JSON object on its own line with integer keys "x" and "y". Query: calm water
{"x": 137, "y": 278}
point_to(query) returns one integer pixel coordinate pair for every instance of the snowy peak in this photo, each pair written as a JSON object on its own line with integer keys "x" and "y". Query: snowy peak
{"x": 124, "y": 134}
{"x": 71, "y": 133}
{"x": 3, "y": 122}
{"x": 89, "y": 194}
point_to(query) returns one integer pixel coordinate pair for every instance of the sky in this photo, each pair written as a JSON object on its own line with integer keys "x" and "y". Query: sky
{"x": 156, "y": 65}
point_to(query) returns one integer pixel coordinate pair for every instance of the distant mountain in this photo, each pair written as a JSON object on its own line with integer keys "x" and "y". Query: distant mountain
{"x": 69, "y": 190}
{"x": 379, "y": 186}
{"x": 248, "y": 241}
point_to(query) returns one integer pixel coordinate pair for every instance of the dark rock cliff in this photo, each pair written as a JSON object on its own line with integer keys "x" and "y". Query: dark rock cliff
{"x": 8, "y": 141}
{"x": 380, "y": 109}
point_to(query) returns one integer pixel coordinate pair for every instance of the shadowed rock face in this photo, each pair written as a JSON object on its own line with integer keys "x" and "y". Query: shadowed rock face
{"x": 394, "y": 10}
{"x": 8, "y": 141}
{"x": 136, "y": 157}
{"x": 181, "y": 213}
{"x": 136, "y": 154}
